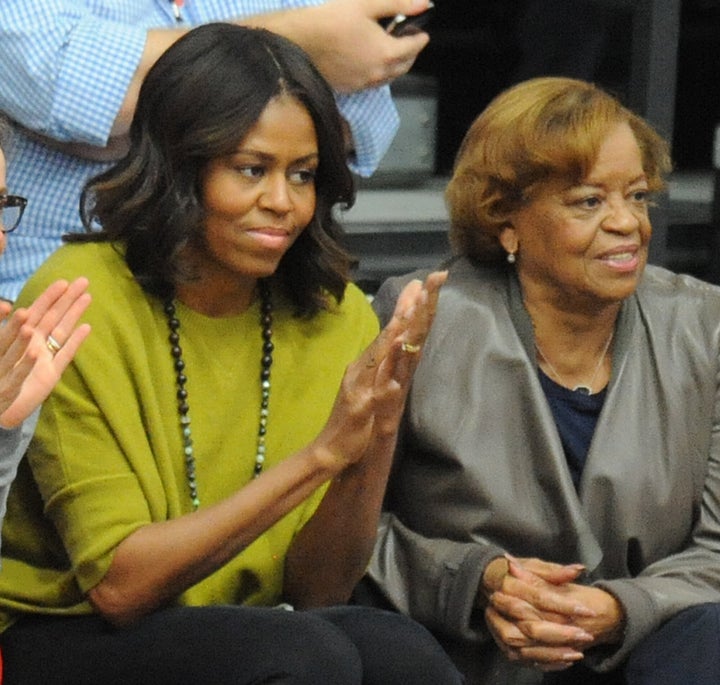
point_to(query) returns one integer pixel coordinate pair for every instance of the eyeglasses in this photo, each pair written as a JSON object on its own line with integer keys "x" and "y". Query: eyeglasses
{"x": 11, "y": 211}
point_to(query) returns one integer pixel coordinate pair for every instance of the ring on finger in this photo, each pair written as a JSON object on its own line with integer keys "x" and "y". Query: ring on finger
{"x": 53, "y": 345}
{"x": 410, "y": 348}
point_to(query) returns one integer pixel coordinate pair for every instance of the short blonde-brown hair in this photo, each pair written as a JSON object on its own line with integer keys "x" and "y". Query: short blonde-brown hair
{"x": 540, "y": 129}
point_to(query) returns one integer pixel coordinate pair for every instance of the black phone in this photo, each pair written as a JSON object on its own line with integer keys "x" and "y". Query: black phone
{"x": 402, "y": 25}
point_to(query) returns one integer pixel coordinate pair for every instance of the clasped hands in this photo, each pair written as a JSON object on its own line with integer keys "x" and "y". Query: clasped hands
{"x": 539, "y": 616}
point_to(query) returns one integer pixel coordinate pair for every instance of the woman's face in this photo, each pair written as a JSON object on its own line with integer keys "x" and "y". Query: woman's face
{"x": 259, "y": 199}
{"x": 3, "y": 191}
{"x": 586, "y": 242}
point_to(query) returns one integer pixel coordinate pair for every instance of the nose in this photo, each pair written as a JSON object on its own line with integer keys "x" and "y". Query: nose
{"x": 275, "y": 194}
{"x": 622, "y": 216}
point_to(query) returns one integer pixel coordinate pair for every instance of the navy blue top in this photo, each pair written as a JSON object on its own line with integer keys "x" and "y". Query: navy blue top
{"x": 576, "y": 415}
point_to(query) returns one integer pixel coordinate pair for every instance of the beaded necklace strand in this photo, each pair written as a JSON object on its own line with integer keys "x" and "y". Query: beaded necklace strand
{"x": 182, "y": 394}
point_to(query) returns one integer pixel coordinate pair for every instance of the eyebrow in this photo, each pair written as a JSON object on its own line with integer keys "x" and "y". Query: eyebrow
{"x": 266, "y": 157}
{"x": 589, "y": 182}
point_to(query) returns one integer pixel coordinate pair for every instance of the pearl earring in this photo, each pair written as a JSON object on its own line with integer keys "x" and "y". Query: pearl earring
{"x": 511, "y": 258}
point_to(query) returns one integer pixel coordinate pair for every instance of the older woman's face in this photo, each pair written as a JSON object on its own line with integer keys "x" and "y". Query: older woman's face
{"x": 580, "y": 244}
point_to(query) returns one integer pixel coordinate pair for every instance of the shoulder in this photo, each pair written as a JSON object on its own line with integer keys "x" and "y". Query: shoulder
{"x": 467, "y": 282}
{"x": 336, "y": 335}
{"x": 120, "y": 310}
{"x": 352, "y": 317}
{"x": 101, "y": 263}
{"x": 677, "y": 294}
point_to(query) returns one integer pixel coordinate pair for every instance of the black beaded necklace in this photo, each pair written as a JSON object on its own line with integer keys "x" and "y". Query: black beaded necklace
{"x": 182, "y": 394}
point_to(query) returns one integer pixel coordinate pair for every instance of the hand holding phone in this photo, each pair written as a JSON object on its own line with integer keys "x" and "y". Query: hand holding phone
{"x": 402, "y": 25}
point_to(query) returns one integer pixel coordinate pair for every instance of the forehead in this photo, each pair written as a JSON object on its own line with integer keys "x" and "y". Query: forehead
{"x": 618, "y": 158}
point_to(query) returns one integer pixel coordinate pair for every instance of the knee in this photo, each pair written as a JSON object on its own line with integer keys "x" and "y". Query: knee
{"x": 684, "y": 649}
{"x": 315, "y": 651}
{"x": 394, "y": 648}
{"x": 241, "y": 644}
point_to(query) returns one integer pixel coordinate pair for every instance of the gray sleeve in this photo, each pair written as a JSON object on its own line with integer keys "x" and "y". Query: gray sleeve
{"x": 677, "y": 582}
{"x": 433, "y": 580}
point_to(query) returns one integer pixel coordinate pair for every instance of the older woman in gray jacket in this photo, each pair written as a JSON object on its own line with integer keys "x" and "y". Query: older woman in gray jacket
{"x": 36, "y": 344}
{"x": 554, "y": 514}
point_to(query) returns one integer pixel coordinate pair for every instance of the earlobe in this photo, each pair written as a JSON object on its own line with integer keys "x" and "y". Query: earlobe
{"x": 508, "y": 239}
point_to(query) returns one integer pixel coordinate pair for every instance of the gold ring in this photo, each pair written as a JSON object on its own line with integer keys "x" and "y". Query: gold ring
{"x": 53, "y": 345}
{"x": 410, "y": 348}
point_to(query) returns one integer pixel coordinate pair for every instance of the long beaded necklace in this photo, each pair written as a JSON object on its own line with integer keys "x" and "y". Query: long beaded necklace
{"x": 182, "y": 394}
{"x": 583, "y": 389}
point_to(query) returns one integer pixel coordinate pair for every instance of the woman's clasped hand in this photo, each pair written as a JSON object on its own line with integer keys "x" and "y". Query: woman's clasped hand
{"x": 540, "y": 617}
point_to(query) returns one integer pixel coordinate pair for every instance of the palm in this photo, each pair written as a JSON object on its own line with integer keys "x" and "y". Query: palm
{"x": 29, "y": 369}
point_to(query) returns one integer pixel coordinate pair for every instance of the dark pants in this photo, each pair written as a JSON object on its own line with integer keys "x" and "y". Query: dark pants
{"x": 683, "y": 651}
{"x": 227, "y": 645}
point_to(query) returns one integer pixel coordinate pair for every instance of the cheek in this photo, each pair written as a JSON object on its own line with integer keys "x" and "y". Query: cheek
{"x": 227, "y": 201}
{"x": 304, "y": 205}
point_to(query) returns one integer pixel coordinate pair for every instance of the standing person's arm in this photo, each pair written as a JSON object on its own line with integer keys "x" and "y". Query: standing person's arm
{"x": 73, "y": 78}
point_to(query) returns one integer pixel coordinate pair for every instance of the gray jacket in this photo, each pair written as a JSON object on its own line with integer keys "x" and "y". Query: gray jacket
{"x": 481, "y": 470}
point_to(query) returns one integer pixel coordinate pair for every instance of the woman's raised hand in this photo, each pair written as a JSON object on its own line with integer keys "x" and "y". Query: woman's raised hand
{"x": 372, "y": 395}
{"x": 36, "y": 345}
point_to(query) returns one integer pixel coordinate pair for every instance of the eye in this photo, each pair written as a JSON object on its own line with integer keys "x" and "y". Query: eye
{"x": 640, "y": 197}
{"x": 303, "y": 176}
{"x": 589, "y": 202}
{"x": 250, "y": 170}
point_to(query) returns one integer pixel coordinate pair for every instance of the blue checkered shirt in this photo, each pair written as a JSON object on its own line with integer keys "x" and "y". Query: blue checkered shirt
{"x": 66, "y": 67}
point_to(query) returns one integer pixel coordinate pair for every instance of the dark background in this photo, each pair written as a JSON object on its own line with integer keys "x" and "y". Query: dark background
{"x": 480, "y": 47}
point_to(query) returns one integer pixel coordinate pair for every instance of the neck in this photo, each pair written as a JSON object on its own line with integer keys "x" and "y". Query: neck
{"x": 216, "y": 300}
{"x": 574, "y": 349}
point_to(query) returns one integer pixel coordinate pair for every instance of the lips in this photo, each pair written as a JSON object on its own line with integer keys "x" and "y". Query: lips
{"x": 620, "y": 257}
{"x": 625, "y": 258}
{"x": 270, "y": 237}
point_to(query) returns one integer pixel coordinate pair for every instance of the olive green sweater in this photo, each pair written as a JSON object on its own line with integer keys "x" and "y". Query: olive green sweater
{"x": 107, "y": 457}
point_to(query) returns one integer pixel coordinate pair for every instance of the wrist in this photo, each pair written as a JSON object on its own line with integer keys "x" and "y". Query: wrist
{"x": 492, "y": 579}
{"x": 614, "y": 631}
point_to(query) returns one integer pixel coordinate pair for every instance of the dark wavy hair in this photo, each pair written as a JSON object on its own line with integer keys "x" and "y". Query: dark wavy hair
{"x": 197, "y": 103}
